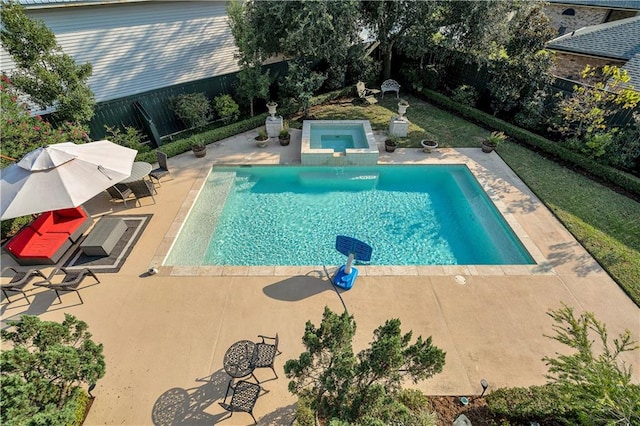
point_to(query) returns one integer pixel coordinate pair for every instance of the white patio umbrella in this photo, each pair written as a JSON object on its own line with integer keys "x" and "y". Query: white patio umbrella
{"x": 61, "y": 176}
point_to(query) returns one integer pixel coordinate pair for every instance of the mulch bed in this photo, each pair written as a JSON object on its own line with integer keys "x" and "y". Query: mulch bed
{"x": 449, "y": 408}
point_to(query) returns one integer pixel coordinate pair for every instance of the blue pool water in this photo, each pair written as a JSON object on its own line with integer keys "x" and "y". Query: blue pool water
{"x": 410, "y": 215}
{"x": 337, "y": 136}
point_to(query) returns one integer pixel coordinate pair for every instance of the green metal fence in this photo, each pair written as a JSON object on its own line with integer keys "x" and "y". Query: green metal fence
{"x": 157, "y": 105}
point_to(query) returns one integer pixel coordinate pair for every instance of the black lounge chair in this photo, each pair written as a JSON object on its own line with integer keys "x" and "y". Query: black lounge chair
{"x": 142, "y": 188}
{"x": 19, "y": 281}
{"x": 265, "y": 354}
{"x": 245, "y": 395}
{"x": 119, "y": 191}
{"x": 162, "y": 170}
{"x": 70, "y": 282}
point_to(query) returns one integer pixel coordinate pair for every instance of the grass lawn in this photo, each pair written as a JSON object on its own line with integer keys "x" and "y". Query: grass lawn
{"x": 606, "y": 223}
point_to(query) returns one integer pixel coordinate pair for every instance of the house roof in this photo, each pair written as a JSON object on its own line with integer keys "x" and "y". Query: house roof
{"x": 613, "y": 40}
{"x": 34, "y": 4}
{"x": 607, "y": 4}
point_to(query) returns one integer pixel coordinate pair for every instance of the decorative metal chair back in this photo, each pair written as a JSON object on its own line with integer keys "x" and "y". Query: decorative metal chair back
{"x": 245, "y": 395}
{"x": 265, "y": 354}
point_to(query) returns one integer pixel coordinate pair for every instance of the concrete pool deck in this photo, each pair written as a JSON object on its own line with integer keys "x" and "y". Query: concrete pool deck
{"x": 170, "y": 331}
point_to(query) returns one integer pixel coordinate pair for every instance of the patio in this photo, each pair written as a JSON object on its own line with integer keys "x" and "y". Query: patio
{"x": 169, "y": 332}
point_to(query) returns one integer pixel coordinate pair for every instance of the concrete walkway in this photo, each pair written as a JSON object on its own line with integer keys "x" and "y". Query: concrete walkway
{"x": 165, "y": 335}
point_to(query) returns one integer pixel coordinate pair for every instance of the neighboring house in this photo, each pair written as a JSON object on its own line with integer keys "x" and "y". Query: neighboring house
{"x": 613, "y": 43}
{"x": 139, "y": 47}
{"x": 570, "y": 15}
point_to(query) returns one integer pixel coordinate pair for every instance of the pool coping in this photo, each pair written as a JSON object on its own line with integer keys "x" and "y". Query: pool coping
{"x": 491, "y": 172}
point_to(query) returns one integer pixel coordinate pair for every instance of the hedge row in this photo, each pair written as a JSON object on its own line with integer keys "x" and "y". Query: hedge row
{"x": 617, "y": 177}
{"x": 545, "y": 404}
{"x": 210, "y": 136}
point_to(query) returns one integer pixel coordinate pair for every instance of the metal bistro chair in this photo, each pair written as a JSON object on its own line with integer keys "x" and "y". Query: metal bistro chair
{"x": 264, "y": 354}
{"x": 162, "y": 170}
{"x": 142, "y": 188}
{"x": 19, "y": 281}
{"x": 119, "y": 191}
{"x": 70, "y": 282}
{"x": 245, "y": 395}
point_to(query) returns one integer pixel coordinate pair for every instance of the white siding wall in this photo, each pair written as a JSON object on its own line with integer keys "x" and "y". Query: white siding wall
{"x": 139, "y": 47}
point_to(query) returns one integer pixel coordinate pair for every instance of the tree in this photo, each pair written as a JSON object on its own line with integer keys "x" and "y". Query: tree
{"x": 252, "y": 83}
{"x": 300, "y": 83}
{"x": 471, "y": 29}
{"x": 523, "y": 66}
{"x": 22, "y": 133}
{"x": 319, "y": 33}
{"x": 45, "y": 365}
{"x": 594, "y": 378}
{"x": 45, "y": 74}
{"x": 390, "y": 21}
{"x": 348, "y": 387}
{"x": 582, "y": 116}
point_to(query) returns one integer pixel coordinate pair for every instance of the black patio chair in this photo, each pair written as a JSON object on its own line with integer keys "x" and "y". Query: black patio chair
{"x": 70, "y": 282}
{"x": 162, "y": 170}
{"x": 119, "y": 191}
{"x": 19, "y": 281}
{"x": 245, "y": 395}
{"x": 265, "y": 354}
{"x": 141, "y": 189}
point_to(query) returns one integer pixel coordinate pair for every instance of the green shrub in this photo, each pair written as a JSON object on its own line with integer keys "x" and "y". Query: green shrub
{"x": 11, "y": 226}
{"x": 79, "y": 401}
{"x": 226, "y": 108}
{"x": 183, "y": 145}
{"x": 607, "y": 173}
{"x": 193, "y": 109}
{"x": 131, "y": 137}
{"x": 305, "y": 415}
{"x": 465, "y": 95}
{"x": 544, "y": 404}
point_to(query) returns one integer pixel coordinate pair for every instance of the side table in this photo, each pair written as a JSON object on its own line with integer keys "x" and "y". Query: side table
{"x": 103, "y": 237}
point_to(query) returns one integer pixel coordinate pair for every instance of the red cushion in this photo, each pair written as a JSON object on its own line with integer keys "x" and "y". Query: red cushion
{"x": 73, "y": 213}
{"x": 43, "y": 223}
{"x": 21, "y": 240}
{"x": 44, "y": 236}
{"x": 45, "y": 246}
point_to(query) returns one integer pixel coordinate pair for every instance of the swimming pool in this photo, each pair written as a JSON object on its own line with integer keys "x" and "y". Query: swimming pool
{"x": 410, "y": 215}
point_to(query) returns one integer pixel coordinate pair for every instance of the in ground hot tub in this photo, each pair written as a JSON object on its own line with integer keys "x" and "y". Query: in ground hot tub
{"x": 338, "y": 143}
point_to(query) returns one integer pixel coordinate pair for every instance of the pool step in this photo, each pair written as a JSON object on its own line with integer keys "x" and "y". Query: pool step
{"x": 193, "y": 240}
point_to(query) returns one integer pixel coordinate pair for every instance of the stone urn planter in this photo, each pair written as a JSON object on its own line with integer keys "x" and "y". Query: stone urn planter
{"x": 272, "y": 109}
{"x": 428, "y": 145}
{"x": 402, "y": 109}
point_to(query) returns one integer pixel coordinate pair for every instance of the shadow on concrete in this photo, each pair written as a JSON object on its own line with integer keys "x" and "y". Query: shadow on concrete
{"x": 41, "y": 302}
{"x": 298, "y": 288}
{"x": 179, "y": 406}
{"x": 281, "y": 416}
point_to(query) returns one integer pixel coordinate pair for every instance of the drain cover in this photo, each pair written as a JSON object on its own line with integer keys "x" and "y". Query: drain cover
{"x": 460, "y": 279}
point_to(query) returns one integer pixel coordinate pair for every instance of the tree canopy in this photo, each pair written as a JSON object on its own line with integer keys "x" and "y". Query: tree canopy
{"x": 46, "y": 75}
{"x": 45, "y": 365}
{"x": 347, "y": 386}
